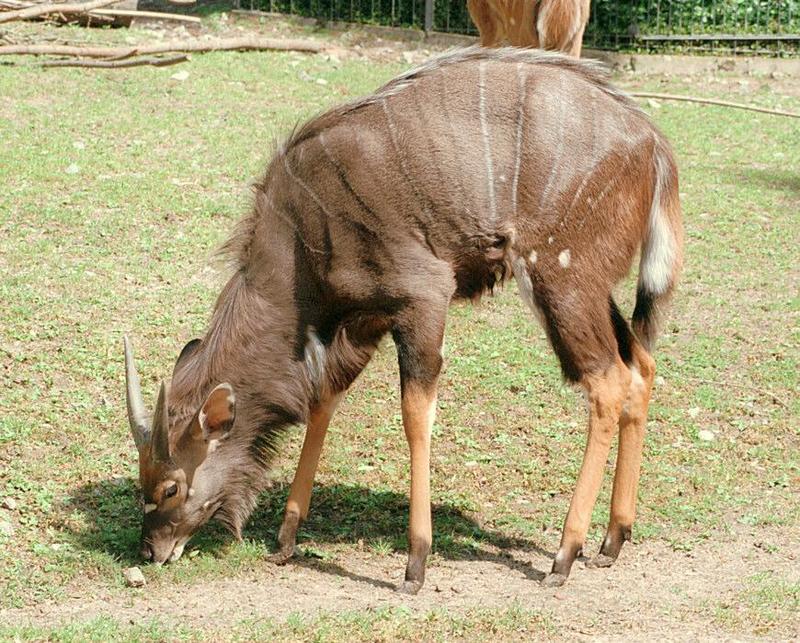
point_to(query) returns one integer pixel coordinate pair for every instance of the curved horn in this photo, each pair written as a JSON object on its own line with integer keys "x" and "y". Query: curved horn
{"x": 137, "y": 416}
{"x": 160, "y": 431}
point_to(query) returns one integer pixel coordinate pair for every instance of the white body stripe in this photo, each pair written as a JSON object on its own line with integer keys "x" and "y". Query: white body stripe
{"x": 487, "y": 150}
{"x": 518, "y": 142}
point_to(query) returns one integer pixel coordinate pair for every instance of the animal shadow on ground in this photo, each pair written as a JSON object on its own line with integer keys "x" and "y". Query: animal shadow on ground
{"x": 340, "y": 513}
{"x": 780, "y": 180}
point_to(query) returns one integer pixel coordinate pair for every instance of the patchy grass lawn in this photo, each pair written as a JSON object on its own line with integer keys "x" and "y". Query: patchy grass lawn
{"x": 116, "y": 189}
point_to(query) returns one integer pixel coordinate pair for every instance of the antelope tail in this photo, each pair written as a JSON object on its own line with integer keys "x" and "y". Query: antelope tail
{"x": 662, "y": 250}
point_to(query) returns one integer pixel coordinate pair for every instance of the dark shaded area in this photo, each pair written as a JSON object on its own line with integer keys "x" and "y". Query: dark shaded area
{"x": 779, "y": 180}
{"x": 340, "y": 513}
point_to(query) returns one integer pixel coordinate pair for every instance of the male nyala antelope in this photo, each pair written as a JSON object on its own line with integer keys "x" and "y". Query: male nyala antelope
{"x": 371, "y": 219}
{"x": 556, "y": 25}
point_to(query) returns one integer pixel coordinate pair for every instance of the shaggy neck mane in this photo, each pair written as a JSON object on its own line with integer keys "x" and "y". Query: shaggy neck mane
{"x": 250, "y": 343}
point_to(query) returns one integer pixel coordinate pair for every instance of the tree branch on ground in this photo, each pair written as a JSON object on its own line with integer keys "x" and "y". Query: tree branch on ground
{"x": 247, "y": 43}
{"x": 155, "y": 61}
{"x": 35, "y": 11}
{"x": 712, "y": 101}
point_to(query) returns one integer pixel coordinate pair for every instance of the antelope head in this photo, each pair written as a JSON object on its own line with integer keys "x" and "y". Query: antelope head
{"x": 182, "y": 487}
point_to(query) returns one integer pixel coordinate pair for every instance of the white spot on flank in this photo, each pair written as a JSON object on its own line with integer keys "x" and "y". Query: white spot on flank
{"x": 487, "y": 150}
{"x": 150, "y": 507}
{"x": 549, "y": 239}
{"x": 563, "y": 258}
{"x": 532, "y": 257}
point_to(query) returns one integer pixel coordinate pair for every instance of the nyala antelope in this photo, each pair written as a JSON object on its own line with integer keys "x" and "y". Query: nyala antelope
{"x": 556, "y": 25}
{"x": 371, "y": 219}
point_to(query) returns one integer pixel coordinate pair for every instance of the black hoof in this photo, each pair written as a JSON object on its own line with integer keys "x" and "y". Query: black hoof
{"x": 600, "y": 561}
{"x": 554, "y": 579}
{"x": 410, "y": 587}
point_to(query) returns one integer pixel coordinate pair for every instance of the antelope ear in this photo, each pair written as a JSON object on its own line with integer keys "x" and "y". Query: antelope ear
{"x": 186, "y": 353}
{"x": 216, "y": 416}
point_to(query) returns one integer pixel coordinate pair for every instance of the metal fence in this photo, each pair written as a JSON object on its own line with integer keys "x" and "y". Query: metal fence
{"x": 737, "y": 26}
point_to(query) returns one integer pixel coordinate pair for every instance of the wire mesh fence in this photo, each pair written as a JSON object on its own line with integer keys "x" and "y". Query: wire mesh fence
{"x": 737, "y": 26}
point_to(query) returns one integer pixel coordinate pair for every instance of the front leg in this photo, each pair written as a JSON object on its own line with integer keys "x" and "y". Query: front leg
{"x": 419, "y": 410}
{"x": 300, "y": 493}
{"x": 419, "y": 346}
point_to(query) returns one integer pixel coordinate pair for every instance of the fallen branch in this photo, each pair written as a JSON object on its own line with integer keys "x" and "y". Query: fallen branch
{"x": 711, "y": 101}
{"x": 249, "y": 43}
{"x": 131, "y": 13}
{"x": 155, "y": 61}
{"x": 43, "y": 9}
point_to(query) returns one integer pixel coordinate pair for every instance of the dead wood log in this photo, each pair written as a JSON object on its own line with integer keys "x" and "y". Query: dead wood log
{"x": 154, "y": 61}
{"x": 247, "y": 43}
{"x": 128, "y": 13}
{"x": 35, "y": 11}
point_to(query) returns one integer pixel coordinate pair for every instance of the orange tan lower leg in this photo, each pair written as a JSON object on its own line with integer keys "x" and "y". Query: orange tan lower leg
{"x": 419, "y": 409}
{"x": 300, "y": 493}
{"x": 606, "y": 393}
{"x": 631, "y": 440}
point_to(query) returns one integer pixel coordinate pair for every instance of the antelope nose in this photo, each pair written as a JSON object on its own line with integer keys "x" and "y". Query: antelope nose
{"x": 147, "y": 552}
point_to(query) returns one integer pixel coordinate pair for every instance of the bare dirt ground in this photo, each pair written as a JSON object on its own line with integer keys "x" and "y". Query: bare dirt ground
{"x": 653, "y": 592}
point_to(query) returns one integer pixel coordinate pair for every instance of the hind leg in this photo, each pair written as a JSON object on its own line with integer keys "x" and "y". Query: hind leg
{"x": 631, "y": 438}
{"x": 581, "y": 329}
{"x": 606, "y": 393}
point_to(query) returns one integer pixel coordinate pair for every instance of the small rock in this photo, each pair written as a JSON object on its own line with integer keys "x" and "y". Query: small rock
{"x": 79, "y": 145}
{"x": 304, "y": 76}
{"x": 470, "y": 464}
{"x": 194, "y": 553}
{"x": 653, "y": 103}
{"x": 7, "y": 529}
{"x": 72, "y": 168}
{"x": 9, "y": 503}
{"x": 408, "y": 57}
{"x": 693, "y": 412}
{"x": 180, "y": 75}
{"x": 560, "y": 596}
{"x": 321, "y": 81}
{"x": 705, "y": 435}
{"x": 660, "y": 381}
{"x": 134, "y": 577}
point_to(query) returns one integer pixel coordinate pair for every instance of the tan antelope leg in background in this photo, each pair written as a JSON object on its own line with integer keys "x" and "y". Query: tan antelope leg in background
{"x": 606, "y": 393}
{"x": 629, "y": 458}
{"x": 300, "y": 493}
{"x": 419, "y": 411}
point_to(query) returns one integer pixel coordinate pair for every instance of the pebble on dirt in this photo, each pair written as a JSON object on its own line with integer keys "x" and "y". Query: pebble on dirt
{"x": 134, "y": 577}
{"x": 9, "y": 503}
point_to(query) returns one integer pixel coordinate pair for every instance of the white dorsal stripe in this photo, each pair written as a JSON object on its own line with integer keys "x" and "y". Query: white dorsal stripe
{"x": 487, "y": 150}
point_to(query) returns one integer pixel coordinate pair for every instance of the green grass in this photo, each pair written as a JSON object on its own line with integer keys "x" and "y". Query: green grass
{"x": 124, "y": 245}
{"x": 370, "y": 626}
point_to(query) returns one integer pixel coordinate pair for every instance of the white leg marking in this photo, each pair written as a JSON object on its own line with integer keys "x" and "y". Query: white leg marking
{"x": 526, "y": 288}
{"x": 315, "y": 358}
{"x": 518, "y": 143}
{"x": 487, "y": 150}
{"x": 563, "y": 258}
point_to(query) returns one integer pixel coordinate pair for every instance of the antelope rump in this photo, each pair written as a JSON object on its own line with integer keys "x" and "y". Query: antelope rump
{"x": 371, "y": 219}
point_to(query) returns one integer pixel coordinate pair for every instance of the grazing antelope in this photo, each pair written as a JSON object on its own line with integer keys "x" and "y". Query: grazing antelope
{"x": 371, "y": 219}
{"x": 546, "y": 24}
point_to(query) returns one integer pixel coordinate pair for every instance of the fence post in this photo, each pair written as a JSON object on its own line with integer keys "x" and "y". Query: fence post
{"x": 428, "y": 16}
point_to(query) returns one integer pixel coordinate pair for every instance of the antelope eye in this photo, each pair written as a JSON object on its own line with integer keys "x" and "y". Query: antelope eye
{"x": 171, "y": 491}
